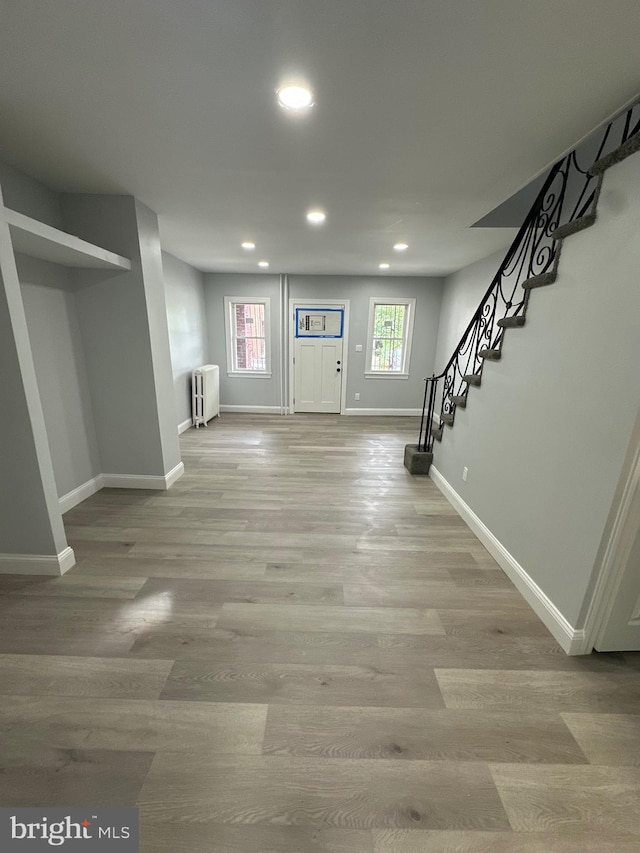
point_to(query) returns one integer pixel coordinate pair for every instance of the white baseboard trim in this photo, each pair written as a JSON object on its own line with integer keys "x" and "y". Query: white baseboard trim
{"x": 253, "y": 410}
{"x": 76, "y": 496}
{"x": 37, "y": 564}
{"x": 118, "y": 481}
{"x": 66, "y": 560}
{"x": 173, "y": 475}
{"x": 184, "y": 426}
{"x": 375, "y": 413}
{"x": 133, "y": 481}
{"x": 143, "y": 481}
{"x": 569, "y": 638}
{"x": 279, "y": 410}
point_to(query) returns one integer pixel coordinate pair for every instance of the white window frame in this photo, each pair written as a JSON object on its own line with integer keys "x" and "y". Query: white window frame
{"x": 229, "y": 328}
{"x": 403, "y": 373}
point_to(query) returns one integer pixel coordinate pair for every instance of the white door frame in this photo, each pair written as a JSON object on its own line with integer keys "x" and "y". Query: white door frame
{"x": 318, "y": 303}
{"x": 620, "y": 531}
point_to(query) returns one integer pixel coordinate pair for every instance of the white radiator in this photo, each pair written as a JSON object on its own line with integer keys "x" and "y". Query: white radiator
{"x": 205, "y": 394}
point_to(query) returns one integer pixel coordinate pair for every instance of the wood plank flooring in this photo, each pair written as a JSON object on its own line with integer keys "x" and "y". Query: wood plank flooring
{"x": 300, "y": 648}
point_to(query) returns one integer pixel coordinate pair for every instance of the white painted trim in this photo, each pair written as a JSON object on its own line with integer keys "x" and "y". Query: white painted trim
{"x": 284, "y": 345}
{"x": 380, "y": 375}
{"x": 40, "y": 240}
{"x": 133, "y": 481}
{"x": 66, "y": 560}
{"x": 253, "y": 410}
{"x": 410, "y": 303}
{"x": 119, "y": 481}
{"x": 398, "y": 413}
{"x": 612, "y": 560}
{"x": 174, "y": 474}
{"x": 37, "y": 564}
{"x": 302, "y": 303}
{"x": 185, "y": 425}
{"x": 229, "y": 325}
{"x": 571, "y": 639}
{"x": 113, "y": 481}
{"x": 81, "y": 493}
{"x": 248, "y": 374}
{"x": 143, "y": 481}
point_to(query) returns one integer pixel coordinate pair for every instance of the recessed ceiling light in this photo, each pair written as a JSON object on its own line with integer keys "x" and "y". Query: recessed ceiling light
{"x": 263, "y": 263}
{"x": 295, "y": 97}
{"x": 401, "y": 247}
{"x": 383, "y": 266}
{"x": 317, "y": 217}
{"x": 248, "y": 245}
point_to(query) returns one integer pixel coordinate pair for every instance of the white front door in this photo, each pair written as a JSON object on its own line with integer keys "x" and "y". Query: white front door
{"x": 318, "y": 360}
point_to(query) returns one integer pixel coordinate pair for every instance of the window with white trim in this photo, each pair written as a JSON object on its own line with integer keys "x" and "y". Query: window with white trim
{"x": 389, "y": 337}
{"x": 248, "y": 341}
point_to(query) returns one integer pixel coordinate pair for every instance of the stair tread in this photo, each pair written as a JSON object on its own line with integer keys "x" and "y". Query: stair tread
{"x": 473, "y": 379}
{"x": 540, "y": 280}
{"x": 459, "y": 400}
{"x": 493, "y": 354}
{"x": 621, "y": 153}
{"x": 514, "y": 322}
{"x": 569, "y": 228}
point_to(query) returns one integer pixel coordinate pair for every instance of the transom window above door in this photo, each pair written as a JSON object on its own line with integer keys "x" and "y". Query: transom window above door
{"x": 247, "y": 331}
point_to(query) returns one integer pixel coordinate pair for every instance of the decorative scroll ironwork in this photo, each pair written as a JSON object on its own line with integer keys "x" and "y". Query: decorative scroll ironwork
{"x": 569, "y": 192}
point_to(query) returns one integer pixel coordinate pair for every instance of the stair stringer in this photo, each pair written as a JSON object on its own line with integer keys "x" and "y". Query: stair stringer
{"x": 545, "y": 435}
{"x": 542, "y": 280}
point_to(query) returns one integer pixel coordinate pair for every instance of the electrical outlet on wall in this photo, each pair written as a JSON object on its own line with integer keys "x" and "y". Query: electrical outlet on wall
{"x": 465, "y": 472}
{"x": 358, "y": 347}
{"x": 356, "y": 395}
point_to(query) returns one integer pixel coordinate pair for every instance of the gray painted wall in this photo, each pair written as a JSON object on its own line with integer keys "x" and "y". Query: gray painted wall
{"x": 374, "y": 393}
{"x": 186, "y": 317}
{"x": 125, "y": 337}
{"x": 58, "y": 355}
{"x": 381, "y": 393}
{"x": 243, "y": 391}
{"x": 23, "y": 193}
{"x": 545, "y": 437}
{"x": 462, "y": 294}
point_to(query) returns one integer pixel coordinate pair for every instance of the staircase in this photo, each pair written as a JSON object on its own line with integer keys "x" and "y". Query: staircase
{"x": 566, "y": 204}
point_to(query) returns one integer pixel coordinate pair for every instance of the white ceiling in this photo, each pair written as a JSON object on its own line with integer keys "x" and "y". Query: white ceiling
{"x": 429, "y": 113}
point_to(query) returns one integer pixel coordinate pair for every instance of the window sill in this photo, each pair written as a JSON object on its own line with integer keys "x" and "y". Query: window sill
{"x": 249, "y": 374}
{"x": 370, "y": 375}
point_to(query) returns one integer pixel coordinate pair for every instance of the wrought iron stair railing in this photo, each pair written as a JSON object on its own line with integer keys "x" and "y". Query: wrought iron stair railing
{"x": 566, "y": 203}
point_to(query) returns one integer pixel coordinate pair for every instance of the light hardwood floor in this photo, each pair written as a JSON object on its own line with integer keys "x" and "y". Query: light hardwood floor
{"x": 300, "y": 648}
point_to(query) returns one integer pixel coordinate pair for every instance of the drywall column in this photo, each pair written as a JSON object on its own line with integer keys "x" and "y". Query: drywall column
{"x": 126, "y": 340}
{"x": 153, "y": 280}
{"x": 32, "y": 538}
